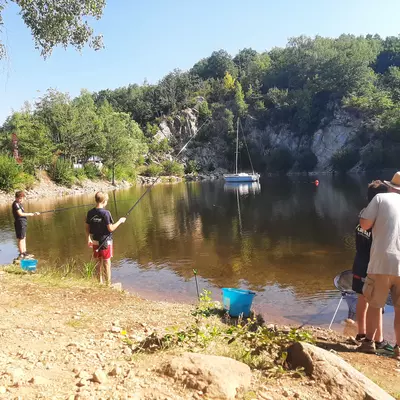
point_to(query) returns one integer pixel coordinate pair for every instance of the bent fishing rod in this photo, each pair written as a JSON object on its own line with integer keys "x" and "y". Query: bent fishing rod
{"x": 101, "y": 244}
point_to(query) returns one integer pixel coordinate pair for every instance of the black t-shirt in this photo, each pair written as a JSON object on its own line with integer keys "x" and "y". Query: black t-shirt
{"x": 98, "y": 219}
{"x": 15, "y": 207}
{"x": 363, "y": 249}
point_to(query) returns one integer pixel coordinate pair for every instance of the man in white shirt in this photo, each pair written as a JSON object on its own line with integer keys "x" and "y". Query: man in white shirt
{"x": 383, "y": 216}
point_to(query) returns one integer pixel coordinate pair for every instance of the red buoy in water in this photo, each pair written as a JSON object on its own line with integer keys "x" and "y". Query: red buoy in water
{"x": 316, "y": 182}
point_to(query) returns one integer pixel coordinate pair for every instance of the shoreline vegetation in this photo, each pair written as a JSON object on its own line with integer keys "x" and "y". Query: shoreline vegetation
{"x": 86, "y": 341}
{"x": 45, "y": 188}
{"x": 343, "y": 90}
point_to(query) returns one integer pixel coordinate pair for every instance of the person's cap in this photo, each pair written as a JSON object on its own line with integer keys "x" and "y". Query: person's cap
{"x": 395, "y": 182}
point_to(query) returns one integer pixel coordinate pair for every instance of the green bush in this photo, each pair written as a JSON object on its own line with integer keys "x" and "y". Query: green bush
{"x": 24, "y": 181}
{"x": 173, "y": 168}
{"x": 28, "y": 166}
{"x": 62, "y": 173}
{"x": 9, "y": 171}
{"x": 192, "y": 167}
{"x": 91, "y": 171}
{"x": 153, "y": 170}
{"x": 122, "y": 172}
{"x": 343, "y": 160}
{"x": 79, "y": 173}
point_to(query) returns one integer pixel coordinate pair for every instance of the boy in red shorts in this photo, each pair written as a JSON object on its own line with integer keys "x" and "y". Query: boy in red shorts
{"x": 99, "y": 228}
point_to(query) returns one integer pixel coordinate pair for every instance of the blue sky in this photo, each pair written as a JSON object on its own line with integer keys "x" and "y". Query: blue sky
{"x": 145, "y": 39}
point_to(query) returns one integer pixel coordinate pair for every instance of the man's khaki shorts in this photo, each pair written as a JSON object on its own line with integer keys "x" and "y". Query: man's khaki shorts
{"x": 376, "y": 289}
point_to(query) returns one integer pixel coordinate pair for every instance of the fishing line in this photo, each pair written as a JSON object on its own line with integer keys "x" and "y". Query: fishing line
{"x": 79, "y": 206}
{"x": 64, "y": 208}
{"x": 316, "y": 315}
{"x": 101, "y": 244}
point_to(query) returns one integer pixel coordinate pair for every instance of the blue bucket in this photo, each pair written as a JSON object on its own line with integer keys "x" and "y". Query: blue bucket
{"x": 237, "y": 301}
{"x": 29, "y": 265}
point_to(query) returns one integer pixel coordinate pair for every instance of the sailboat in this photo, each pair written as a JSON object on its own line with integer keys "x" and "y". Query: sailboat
{"x": 242, "y": 176}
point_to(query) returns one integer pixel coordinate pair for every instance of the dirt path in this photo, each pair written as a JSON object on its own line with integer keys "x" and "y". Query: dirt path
{"x": 55, "y": 336}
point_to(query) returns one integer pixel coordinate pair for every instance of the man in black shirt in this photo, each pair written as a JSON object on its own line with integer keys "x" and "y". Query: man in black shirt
{"x": 99, "y": 228}
{"x": 21, "y": 223}
{"x": 360, "y": 266}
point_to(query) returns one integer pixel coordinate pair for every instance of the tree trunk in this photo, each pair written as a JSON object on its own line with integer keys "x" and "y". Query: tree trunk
{"x": 113, "y": 174}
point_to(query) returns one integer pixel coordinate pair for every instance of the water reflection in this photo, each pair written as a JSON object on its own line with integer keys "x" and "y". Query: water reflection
{"x": 243, "y": 188}
{"x": 285, "y": 239}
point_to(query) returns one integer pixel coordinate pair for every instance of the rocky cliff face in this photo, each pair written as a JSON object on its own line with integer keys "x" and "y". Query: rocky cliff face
{"x": 336, "y": 134}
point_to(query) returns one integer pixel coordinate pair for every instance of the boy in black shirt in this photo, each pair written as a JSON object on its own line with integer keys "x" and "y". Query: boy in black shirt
{"x": 99, "y": 228}
{"x": 21, "y": 223}
{"x": 360, "y": 266}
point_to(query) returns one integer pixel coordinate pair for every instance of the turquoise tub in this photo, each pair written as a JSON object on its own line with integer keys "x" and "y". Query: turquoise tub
{"x": 237, "y": 301}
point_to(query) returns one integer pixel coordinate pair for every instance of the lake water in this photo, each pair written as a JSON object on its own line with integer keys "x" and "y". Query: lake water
{"x": 286, "y": 239}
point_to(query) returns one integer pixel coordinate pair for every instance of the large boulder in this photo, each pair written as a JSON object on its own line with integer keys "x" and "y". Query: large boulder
{"x": 341, "y": 380}
{"x": 217, "y": 377}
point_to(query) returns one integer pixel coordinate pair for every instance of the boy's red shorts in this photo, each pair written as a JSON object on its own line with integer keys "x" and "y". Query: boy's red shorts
{"x": 105, "y": 254}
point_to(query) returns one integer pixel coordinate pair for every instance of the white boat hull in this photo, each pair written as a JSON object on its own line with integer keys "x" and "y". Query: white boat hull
{"x": 242, "y": 177}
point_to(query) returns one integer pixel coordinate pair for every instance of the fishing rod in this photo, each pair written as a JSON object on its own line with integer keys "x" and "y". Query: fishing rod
{"x": 79, "y": 206}
{"x": 101, "y": 244}
{"x": 64, "y": 208}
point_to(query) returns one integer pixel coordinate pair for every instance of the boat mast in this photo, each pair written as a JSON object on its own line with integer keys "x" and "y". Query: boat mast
{"x": 237, "y": 146}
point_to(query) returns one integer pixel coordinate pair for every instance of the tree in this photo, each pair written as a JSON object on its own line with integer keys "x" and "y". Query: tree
{"x": 240, "y": 104}
{"x": 34, "y": 140}
{"x": 229, "y": 82}
{"x": 244, "y": 58}
{"x": 215, "y": 66}
{"x": 219, "y": 63}
{"x": 124, "y": 140}
{"x": 61, "y": 22}
{"x": 389, "y": 55}
{"x": 174, "y": 91}
{"x": 204, "y": 112}
{"x": 85, "y": 137}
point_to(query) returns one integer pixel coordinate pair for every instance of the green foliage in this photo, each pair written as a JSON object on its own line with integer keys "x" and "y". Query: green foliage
{"x": 92, "y": 171}
{"x": 344, "y": 160}
{"x": 206, "y": 306}
{"x": 34, "y": 141}
{"x": 300, "y": 88}
{"x": 216, "y": 66}
{"x": 158, "y": 148}
{"x": 173, "y": 168}
{"x": 153, "y": 170}
{"x": 61, "y": 22}
{"x": 204, "y": 111}
{"x": 62, "y": 173}
{"x": 280, "y": 160}
{"x": 240, "y": 104}
{"x": 89, "y": 270}
{"x": 229, "y": 82}
{"x": 79, "y": 174}
{"x": 121, "y": 172}
{"x": 250, "y": 342}
{"x": 124, "y": 140}
{"x": 9, "y": 171}
{"x": 24, "y": 181}
{"x": 192, "y": 167}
